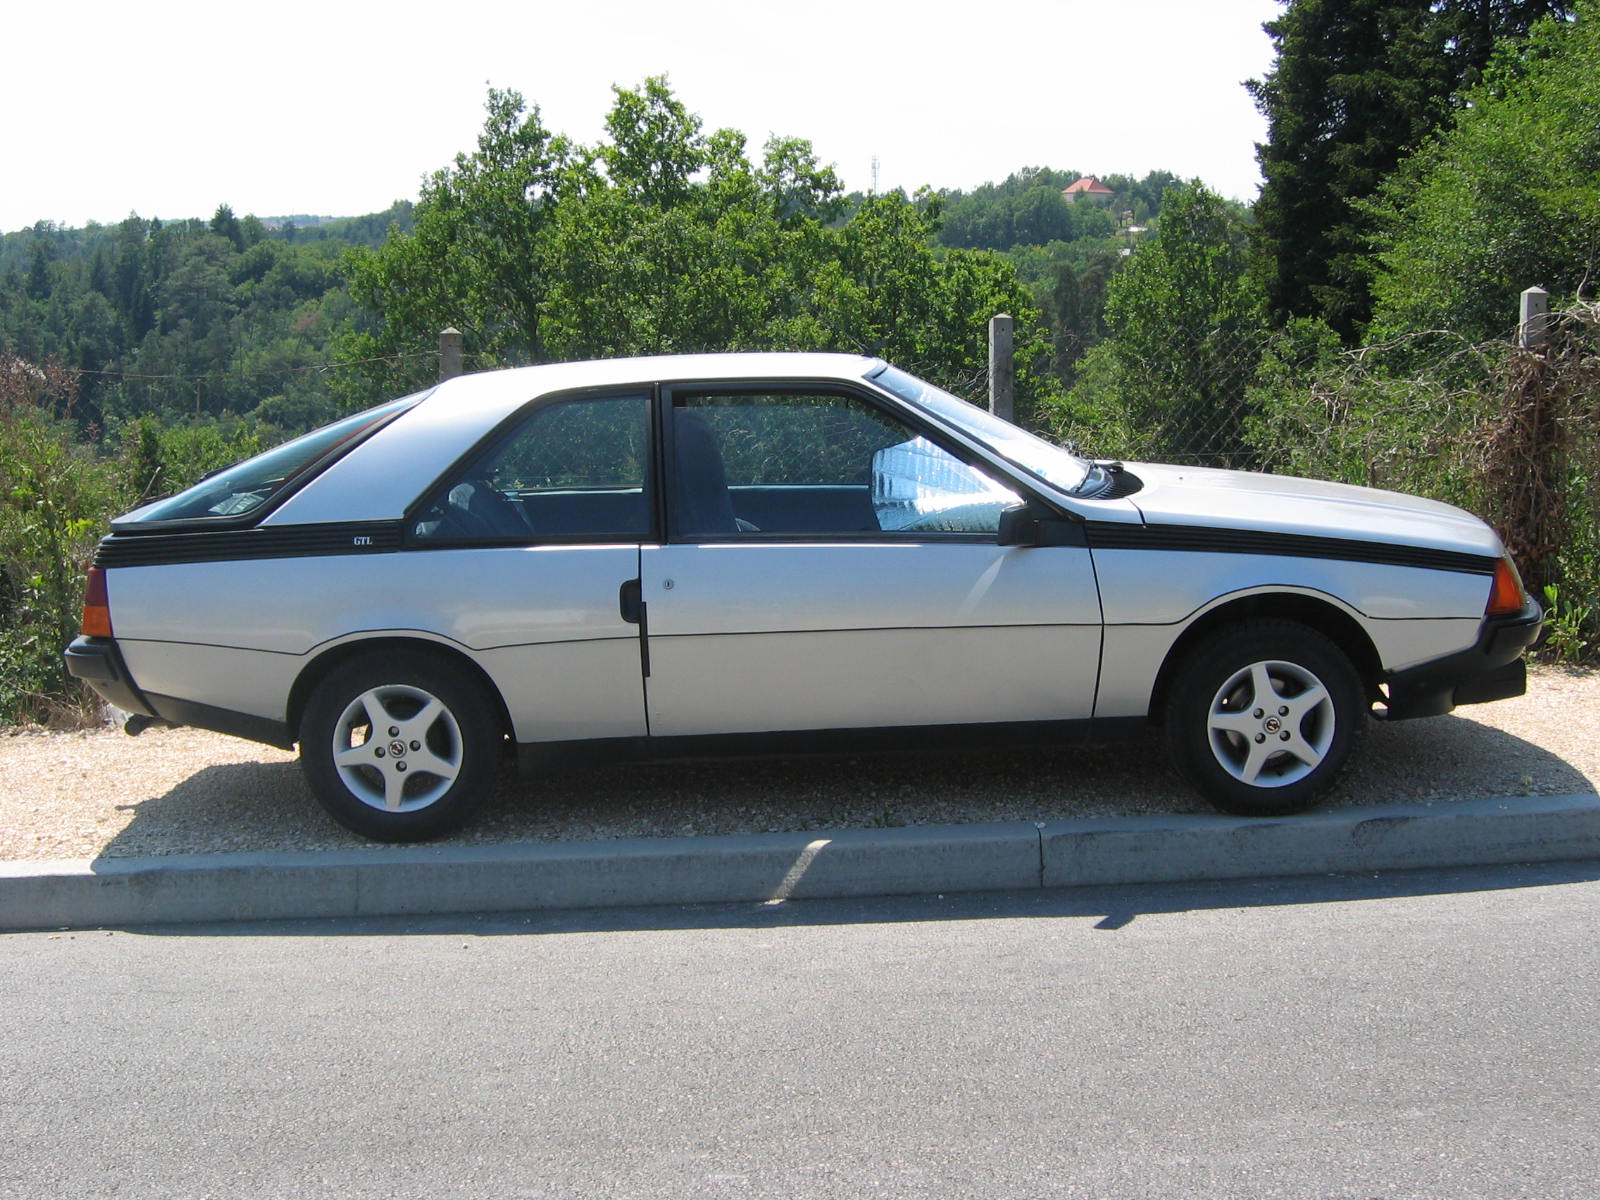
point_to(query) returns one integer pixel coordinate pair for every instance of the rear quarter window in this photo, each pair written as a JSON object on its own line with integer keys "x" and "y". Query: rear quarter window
{"x": 247, "y": 488}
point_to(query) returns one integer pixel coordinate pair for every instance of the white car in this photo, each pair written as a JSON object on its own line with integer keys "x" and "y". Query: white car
{"x": 761, "y": 550}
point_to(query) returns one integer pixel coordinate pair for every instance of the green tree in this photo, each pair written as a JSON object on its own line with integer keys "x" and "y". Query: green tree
{"x": 1076, "y": 308}
{"x": 1356, "y": 86}
{"x": 667, "y": 239}
{"x": 474, "y": 258}
{"x": 717, "y": 265}
{"x": 1040, "y": 215}
{"x": 39, "y": 281}
{"x": 1507, "y": 198}
{"x": 1185, "y": 325}
{"x": 225, "y": 225}
{"x": 655, "y": 147}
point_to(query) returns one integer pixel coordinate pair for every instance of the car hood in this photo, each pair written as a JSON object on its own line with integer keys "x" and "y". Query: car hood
{"x": 1282, "y": 503}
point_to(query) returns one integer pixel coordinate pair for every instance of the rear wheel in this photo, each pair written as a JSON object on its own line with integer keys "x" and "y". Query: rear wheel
{"x": 399, "y": 747}
{"x": 1262, "y": 717}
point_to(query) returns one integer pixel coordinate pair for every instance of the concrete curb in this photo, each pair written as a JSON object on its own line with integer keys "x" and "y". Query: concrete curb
{"x": 764, "y": 867}
{"x": 1394, "y": 837}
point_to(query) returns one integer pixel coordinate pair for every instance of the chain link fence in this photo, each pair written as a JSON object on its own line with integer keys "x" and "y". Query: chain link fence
{"x": 1511, "y": 433}
{"x": 1508, "y": 432}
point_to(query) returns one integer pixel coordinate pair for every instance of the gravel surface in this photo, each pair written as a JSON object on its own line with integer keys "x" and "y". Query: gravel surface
{"x": 184, "y": 791}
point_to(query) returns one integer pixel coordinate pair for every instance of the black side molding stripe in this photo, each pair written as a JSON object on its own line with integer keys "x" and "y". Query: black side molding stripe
{"x": 238, "y": 545}
{"x": 1199, "y": 539}
{"x": 379, "y": 537}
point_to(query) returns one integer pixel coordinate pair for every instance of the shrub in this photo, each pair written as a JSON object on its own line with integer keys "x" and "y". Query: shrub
{"x": 55, "y": 495}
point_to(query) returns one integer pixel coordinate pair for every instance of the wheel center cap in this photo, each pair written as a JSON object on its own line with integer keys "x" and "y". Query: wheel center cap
{"x": 1272, "y": 724}
{"x": 397, "y": 749}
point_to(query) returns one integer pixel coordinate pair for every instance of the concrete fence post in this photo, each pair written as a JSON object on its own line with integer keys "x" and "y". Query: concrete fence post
{"x": 449, "y": 353}
{"x": 1533, "y": 326}
{"x": 1002, "y": 368}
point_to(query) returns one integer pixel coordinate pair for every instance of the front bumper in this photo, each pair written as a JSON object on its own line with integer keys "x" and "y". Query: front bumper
{"x": 1493, "y": 669}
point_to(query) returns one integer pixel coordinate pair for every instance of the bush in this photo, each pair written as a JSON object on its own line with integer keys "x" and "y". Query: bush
{"x": 57, "y": 492}
{"x": 1403, "y": 415}
{"x": 1508, "y": 433}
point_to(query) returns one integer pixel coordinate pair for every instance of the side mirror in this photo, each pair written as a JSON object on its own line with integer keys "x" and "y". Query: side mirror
{"x": 1020, "y": 526}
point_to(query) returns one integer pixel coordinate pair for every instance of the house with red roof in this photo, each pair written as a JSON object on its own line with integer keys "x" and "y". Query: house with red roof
{"x": 1088, "y": 186}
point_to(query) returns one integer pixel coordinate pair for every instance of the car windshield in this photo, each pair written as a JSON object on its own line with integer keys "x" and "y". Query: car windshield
{"x": 1050, "y": 463}
{"x": 246, "y": 486}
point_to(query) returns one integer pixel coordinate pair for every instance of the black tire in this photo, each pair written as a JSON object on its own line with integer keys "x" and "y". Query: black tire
{"x": 400, "y": 747}
{"x": 1262, "y": 717}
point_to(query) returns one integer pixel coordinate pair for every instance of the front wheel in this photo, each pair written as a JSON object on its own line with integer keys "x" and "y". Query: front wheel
{"x": 1262, "y": 717}
{"x": 399, "y": 747}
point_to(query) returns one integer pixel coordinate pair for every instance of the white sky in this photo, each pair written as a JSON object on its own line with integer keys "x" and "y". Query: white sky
{"x": 171, "y": 107}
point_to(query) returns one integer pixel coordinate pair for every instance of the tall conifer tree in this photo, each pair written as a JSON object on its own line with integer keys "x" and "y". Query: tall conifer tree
{"x": 1357, "y": 85}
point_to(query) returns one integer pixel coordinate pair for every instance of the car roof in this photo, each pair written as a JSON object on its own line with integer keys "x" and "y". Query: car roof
{"x": 515, "y": 386}
{"x": 380, "y": 477}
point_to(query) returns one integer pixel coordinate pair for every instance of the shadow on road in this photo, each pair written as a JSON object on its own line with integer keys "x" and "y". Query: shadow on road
{"x": 1110, "y": 908}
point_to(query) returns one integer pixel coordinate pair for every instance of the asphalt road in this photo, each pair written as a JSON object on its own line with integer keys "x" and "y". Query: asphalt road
{"x": 1411, "y": 1035}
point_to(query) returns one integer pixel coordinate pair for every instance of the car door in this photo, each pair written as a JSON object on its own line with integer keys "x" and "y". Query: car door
{"x": 537, "y": 539}
{"x": 832, "y": 565}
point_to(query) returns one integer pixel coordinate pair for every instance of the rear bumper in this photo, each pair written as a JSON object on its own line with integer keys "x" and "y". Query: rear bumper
{"x": 98, "y": 662}
{"x": 1493, "y": 669}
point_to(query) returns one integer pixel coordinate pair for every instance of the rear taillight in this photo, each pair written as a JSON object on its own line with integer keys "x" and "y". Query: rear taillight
{"x": 96, "y": 605}
{"x": 1506, "y": 596}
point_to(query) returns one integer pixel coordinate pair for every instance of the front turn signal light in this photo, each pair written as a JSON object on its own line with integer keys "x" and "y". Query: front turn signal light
{"x": 96, "y": 605}
{"x": 1507, "y": 596}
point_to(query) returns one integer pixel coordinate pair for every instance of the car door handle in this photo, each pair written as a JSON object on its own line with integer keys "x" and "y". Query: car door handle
{"x": 630, "y": 602}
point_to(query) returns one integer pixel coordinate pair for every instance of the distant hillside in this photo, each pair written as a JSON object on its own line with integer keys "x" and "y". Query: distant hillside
{"x": 299, "y": 220}
{"x": 227, "y": 316}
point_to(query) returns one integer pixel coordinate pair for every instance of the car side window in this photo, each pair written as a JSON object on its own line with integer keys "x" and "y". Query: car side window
{"x": 819, "y": 464}
{"x": 573, "y": 470}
